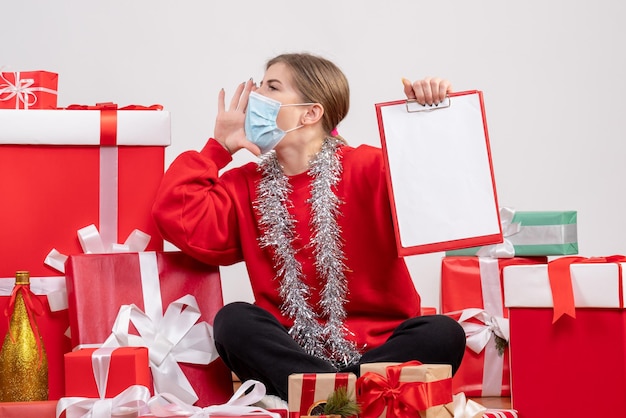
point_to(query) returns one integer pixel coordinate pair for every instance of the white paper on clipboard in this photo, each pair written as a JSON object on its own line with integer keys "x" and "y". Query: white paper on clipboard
{"x": 440, "y": 175}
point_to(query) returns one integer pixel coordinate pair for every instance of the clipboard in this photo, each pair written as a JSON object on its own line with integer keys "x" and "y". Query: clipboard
{"x": 439, "y": 174}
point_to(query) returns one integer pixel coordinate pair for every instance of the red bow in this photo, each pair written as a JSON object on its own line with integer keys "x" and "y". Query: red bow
{"x": 402, "y": 399}
{"x": 33, "y": 307}
{"x": 108, "y": 118}
{"x": 560, "y": 279}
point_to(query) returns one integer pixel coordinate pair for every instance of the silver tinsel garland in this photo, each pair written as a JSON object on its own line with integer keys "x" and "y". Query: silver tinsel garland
{"x": 327, "y": 340}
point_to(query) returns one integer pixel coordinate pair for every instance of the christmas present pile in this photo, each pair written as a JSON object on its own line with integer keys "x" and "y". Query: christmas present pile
{"x": 79, "y": 183}
{"x": 472, "y": 292}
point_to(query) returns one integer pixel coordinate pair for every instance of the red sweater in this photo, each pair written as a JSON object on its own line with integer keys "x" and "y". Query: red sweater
{"x": 212, "y": 218}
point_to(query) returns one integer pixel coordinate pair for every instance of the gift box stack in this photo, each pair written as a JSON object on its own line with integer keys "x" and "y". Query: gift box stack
{"x": 78, "y": 184}
{"x": 472, "y": 291}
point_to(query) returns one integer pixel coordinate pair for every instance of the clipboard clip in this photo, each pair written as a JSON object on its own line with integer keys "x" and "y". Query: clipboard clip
{"x": 412, "y": 106}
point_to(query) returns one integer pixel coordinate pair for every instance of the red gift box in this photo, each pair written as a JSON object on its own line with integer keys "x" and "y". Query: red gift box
{"x": 99, "y": 284}
{"x": 306, "y": 390}
{"x": 38, "y": 409}
{"x": 55, "y": 179}
{"x": 126, "y": 366}
{"x": 28, "y": 90}
{"x": 577, "y": 359}
{"x": 469, "y": 282}
{"x": 52, "y": 326}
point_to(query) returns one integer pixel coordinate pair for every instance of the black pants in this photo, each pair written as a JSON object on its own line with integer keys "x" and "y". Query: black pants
{"x": 254, "y": 345}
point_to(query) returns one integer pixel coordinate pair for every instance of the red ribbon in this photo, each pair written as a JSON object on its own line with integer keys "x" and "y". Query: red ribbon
{"x": 402, "y": 399}
{"x": 108, "y": 118}
{"x": 560, "y": 279}
{"x": 33, "y": 307}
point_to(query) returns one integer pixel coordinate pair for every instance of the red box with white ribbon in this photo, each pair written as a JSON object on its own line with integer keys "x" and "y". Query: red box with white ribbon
{"x": 28, "y": 90}
{"x": 62, "y": 170}
{"x": 163, "y": 300}
{"x": 568, "y": 337}
{"x": 471, "y": 293}
{"x": 105, "y": 373}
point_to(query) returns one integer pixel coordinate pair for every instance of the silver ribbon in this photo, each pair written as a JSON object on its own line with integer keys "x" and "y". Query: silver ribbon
{"x": 506, "y": 248}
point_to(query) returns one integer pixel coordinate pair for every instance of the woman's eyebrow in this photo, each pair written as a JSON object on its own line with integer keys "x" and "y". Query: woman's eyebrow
{"x": 273, "y": 80}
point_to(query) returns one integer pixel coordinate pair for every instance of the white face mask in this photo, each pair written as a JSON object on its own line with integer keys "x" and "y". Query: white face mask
{"x": 260, "y": 124}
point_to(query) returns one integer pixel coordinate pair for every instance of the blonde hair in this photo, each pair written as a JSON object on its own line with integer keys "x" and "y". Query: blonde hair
{"x": 319, "y": 81}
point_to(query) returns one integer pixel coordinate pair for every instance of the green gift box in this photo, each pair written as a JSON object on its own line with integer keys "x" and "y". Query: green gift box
{"x": 531, "y": 234}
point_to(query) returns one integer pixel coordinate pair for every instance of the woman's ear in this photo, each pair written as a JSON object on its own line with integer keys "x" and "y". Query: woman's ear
{"x": 313, "y": 115}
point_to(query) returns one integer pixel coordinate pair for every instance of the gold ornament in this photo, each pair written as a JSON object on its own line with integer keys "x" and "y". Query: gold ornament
{"x": 23, "y": 360}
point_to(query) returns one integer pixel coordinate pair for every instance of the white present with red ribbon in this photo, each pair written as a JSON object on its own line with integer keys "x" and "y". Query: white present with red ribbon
{"x": 163, "y": 300}
{"x": 568, "y": 337}
{"x": 62, "y": 170}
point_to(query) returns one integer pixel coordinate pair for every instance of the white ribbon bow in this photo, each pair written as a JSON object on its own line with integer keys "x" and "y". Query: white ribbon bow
{"x": 167, "y": 405}
{"x": 22, "y": 90}
{"x": 92, "y": 243}
{"x": 132, "y": 400}
{"x": 505, "y": 249}
{"x": 479, "y": 334}
{"x": 466, "y": 408}
{"x": 174, "y": 338}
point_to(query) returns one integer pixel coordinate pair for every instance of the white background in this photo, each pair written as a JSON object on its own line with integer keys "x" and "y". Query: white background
{"x": 552, "y": 73}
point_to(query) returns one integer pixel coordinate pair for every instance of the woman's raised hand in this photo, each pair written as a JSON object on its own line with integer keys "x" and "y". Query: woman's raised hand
{"x": 429, "y": 90}
{"x": 229, "y": 122}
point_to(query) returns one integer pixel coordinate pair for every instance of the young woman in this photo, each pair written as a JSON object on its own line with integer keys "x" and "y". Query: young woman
{"x": 312, "y": 222}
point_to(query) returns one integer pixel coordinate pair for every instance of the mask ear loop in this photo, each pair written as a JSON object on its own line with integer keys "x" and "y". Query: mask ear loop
{"x": 295, "y": 104}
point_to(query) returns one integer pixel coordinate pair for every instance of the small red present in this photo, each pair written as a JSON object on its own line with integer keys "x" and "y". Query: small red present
{"x": 36, "y": 409}
{"x": 106, "y": 372}
{"x": 308, "y": 391}
{"x": 164, "y": 300}
{"x": 62, "y": 170}
{"x": 53, "y": 324}
{"x": 568, "y": 337}
{"x": 471, "y": 293}
{"x": 405, "y": 389}
{"x": 28, "y": 90}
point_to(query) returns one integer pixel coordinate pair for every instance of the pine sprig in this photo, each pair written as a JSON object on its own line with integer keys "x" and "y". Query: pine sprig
{"x": 501, "y": 344}
{"x": 341, "y": 403}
